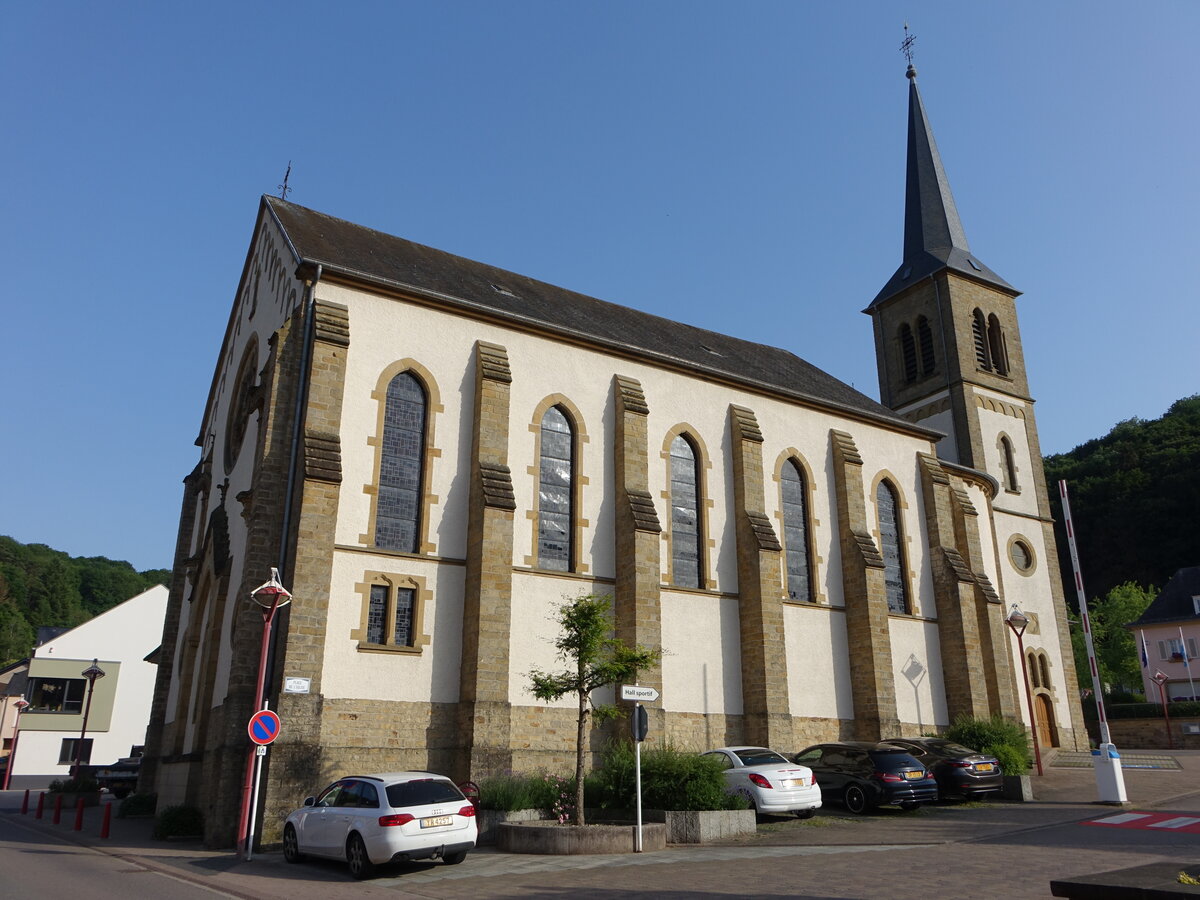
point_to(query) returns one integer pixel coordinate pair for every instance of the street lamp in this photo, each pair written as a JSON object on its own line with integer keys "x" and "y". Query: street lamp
{"x": 1161, "y": 680}
{"x": 1018, "y": 622}
{"x": 269, "y": 597}
{"x": 91, "y": 673}
{"x": 22, "y": 704}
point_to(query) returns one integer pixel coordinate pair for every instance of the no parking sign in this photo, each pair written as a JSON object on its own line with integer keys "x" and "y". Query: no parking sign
{"x": 264, "y": 727}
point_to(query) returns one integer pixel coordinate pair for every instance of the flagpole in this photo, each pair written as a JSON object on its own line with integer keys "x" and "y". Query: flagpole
{"x": 1187, "y": 665}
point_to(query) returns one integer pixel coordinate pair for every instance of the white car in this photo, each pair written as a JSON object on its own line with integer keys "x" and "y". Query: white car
{"x": 769, "y": 781}
{"x": 369, "y": 820}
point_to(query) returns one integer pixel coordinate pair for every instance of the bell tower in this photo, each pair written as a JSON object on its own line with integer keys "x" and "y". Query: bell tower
{"x": 948, "y": 350}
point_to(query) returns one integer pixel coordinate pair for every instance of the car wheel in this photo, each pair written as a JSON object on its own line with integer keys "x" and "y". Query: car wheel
{"x": 356, "y": 855}
{"x": 805, "y": 813}
{"x": 909, "y": 805}
{"x": 855, "y": 800}
{"x": 291, "y": 845}
{"x": 453, "y": 859}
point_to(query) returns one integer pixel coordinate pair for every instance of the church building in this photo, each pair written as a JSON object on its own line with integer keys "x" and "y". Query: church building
{"x": 435, "y": 452}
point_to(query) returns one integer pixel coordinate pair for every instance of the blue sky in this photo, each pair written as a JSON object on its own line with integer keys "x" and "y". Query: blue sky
{"x": 735, "y": 166}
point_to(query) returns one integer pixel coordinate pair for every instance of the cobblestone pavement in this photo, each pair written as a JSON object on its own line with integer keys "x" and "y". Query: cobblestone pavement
{"x": 946, "y": 851}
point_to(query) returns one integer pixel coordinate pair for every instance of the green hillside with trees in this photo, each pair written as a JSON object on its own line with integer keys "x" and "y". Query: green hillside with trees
{"x": 1135, "y": 497}
{"x": 40, "y": 586}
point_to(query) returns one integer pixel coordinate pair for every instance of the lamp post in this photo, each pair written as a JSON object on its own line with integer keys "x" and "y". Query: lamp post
{"x": 1161, "y": 680}
{"x": 21, "y": 706}
{"x": 91, "y": 673}
{"x": 269, "y": 597}
{"x": 1018, "y": 622}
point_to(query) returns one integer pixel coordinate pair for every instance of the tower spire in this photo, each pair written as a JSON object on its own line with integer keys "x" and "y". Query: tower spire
{"x": 933, "y": 233}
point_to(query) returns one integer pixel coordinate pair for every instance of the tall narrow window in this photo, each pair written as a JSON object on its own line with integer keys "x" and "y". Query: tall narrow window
{"x": 1010, "y": 464}
{"x": 908, "y": 352}
{"x": 979, "y": 333}
{"x": 997, "y": 345}
{"x": 390, "y": 615}
{"x": 377, "y": 615}
{"x": 686, "y": 561}
{"x": 397, "y": 517}
{"x": 925, "y": 339}
{"x": 890, "y": 537}
{"x": 795, "y": 532}
{"x": 555, "y": 492}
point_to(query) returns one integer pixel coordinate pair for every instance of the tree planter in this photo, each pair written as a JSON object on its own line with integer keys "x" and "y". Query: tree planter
{"x": 546, "y": 837}
{"x": 1017, "y": 788}
{"x": 490, "y": 820}
{"x": 689, "y": 826}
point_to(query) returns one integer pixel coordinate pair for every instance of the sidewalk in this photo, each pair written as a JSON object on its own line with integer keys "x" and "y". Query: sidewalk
{"x": 1062, "y": 795}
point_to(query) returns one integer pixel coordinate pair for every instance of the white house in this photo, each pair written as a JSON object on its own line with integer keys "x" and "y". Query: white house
{"x": 119, "y": 641}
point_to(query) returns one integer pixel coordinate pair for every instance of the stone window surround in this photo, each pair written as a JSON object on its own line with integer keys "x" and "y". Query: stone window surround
{"x": 705, "y": 505}
{"x": 815, "y": 560}
{"x": 434, "y": 406}
{"x": 240, "y": 405}
{"x": 1033, "y": 557}
{"x": 415, "y": 583}
{"x": 910, "y": 595}
{"x": 578, "y": 482}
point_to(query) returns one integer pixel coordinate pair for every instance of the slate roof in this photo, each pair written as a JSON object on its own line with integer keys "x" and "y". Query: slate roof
{"x": 1174, "y": 603}
{"x": 371, "y": 256}
{"x": 933, "y": 234}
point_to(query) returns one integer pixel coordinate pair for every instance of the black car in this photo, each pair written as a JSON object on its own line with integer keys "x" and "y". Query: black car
{"x": 958, "y": 769}
{"x": 864, "y": 774}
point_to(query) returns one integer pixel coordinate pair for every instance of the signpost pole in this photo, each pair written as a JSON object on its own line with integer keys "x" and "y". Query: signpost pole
{"x": 637, "y": 744}
{"x": 260, "y": 750}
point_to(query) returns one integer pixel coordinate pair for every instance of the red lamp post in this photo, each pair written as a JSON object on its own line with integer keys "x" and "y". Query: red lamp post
{"x": 21, "y": 705}
{"x": 1161, "y": 680}
{"x": 269, "y": 597}
{"x": 91, "y": 673}
{"x": 1018, "y": 622}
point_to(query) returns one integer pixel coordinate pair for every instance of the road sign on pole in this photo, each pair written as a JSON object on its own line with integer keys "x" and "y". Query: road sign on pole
{"x": 263, "y": 727}
{"x": 638, "y": 693}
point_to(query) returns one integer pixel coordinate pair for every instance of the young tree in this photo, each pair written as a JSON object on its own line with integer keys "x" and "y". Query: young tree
{"x": 1118, "y": 653}
{"x": 596, "y": 658}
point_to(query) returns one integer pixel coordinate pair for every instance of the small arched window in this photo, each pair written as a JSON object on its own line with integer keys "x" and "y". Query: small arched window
{"x": 686, "y": 557}
{"x": 997, "y": 345}
{"x": 398, "y": 512}
{"x": 795, "y": 532}
{"x": 1010, "y": 464}
{"x": 979, "y": 333}
{"x": 925, "y": 339}
{"x": 1031, "y": 660}
{"x": 890, "y": 539}
{"x": 1044, "y": 666}
{"x": 556, "y": 491}
{"x": 908, "y": 352}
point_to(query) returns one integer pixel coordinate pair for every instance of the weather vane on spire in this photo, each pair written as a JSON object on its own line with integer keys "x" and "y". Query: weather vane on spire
{"x": 284, "y": 190}
{"x": 906, "y": 46}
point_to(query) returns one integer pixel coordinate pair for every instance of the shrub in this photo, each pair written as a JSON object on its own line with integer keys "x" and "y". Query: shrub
{"x": 506, "y": 793}
{"x": 1152, "y": 710}
{"x": 1003, "y": 739}
{"x": 82, "y": 785}
{"x": 671, "y": 779}
{"x": 137, "y": 805}
{"x": 178, "y": 821}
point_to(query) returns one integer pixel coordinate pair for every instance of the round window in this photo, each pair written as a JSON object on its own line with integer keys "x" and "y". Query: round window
{"x": 1022, "y": 556}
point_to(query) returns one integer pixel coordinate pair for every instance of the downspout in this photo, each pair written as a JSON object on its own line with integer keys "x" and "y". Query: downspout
{"x": 294, "y": 455}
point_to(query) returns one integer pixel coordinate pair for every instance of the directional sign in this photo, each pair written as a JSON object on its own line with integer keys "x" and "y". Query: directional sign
{"x": 263, "y": 727}
{"x": 637, "y": 692}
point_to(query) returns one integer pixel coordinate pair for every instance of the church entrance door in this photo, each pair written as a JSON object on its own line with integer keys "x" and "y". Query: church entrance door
{"x": 1044, "y": 716}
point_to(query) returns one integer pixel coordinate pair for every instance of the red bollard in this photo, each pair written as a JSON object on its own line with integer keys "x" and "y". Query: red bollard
{"x": 57, "y": 808}
{"x": 79, "y": 814}
{"x": 41, "y": 804}
{"x": 106, "y": 821}
{"x": 25, "y": 803}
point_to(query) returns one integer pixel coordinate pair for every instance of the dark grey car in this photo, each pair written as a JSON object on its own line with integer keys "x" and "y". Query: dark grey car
{"x": 865, "y": 774}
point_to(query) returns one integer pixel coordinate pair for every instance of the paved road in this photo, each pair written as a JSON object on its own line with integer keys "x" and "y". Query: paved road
{"x": 950, "y": 851}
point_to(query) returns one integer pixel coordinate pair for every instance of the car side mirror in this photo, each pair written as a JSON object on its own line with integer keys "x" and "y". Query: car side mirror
{"x": 310, "y": 801}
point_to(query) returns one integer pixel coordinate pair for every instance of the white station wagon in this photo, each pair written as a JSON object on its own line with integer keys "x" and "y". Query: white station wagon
{"x": 369, "y": 820}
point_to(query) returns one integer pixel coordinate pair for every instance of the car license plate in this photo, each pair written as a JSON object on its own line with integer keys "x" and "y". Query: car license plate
{"x": 792, "y": 782}
{"x": 983, "y": 767}
{"x": 914, "y": 776}
{"x": 436, "y": 821}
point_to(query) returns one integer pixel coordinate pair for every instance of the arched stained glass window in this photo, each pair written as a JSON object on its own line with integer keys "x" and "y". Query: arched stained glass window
{"x": 925, "y": 339}
{"x": 890, "y": 538}
{"x": 686, "y": 556}
{"x": 795, "y": 532}
{"x": 555, "y": 492}
{"x": 400, "y": 470}
{"x": 908, "y": 352}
